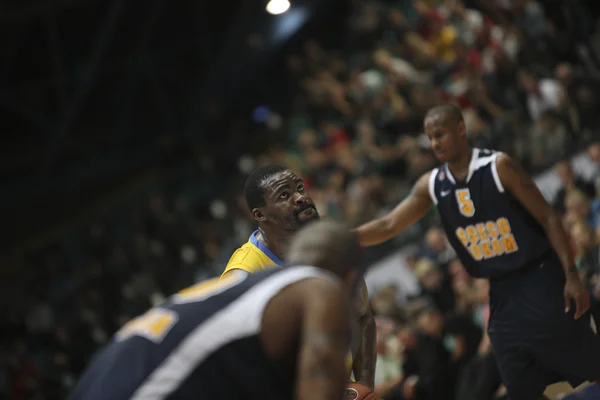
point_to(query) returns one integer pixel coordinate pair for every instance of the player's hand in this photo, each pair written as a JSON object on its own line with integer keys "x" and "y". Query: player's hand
{"x": 576, "y": 291}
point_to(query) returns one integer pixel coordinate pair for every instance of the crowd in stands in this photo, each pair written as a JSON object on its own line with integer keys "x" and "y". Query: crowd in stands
{"x": 355, "y": 136}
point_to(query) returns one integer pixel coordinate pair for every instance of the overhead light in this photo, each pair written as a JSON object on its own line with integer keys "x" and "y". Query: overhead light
{"x": 277, "y": 7}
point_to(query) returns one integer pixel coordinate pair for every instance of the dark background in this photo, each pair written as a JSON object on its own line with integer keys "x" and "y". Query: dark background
{"x": 96, "y": 93}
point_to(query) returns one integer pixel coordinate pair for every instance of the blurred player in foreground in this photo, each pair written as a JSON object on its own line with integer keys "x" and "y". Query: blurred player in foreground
{"x": 502, "y": 229}
{"x": 280, "y": 206}
{"x": 278, "y": 334}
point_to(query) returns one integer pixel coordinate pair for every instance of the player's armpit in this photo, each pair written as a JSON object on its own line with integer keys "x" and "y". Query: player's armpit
{"x": 519, "y": 183}
{"x": 409, "y": 211}
{"x": 325, "y": 340}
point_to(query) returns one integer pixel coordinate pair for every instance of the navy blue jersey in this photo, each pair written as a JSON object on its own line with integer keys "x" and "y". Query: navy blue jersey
{"x": 203, "y": 343}
{"x": 490, "y": 230}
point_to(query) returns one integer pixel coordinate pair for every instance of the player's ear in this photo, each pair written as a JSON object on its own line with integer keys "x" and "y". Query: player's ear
{"x": 258, "y": 215}
{"x": 463, "y": 127}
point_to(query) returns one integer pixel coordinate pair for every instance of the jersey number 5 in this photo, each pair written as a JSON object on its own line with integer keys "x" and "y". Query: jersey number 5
{"x": 465, "y": 204}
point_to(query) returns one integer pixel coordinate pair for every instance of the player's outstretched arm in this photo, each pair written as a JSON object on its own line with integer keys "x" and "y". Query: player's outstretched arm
{"x": 519, "y": 183}
{"x": 324, "y": 343}
{"x": 409, "y": 211}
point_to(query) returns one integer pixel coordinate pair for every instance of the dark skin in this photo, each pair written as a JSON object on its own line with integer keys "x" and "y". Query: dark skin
{"x": 316, "y": 311}
{"x": 365, "y": 357}
{"x": 449, "y": 143}
{"x": 287, "y": 208}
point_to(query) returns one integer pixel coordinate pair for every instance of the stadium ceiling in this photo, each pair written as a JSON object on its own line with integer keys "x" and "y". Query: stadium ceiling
{"x": 89, "y": 89}
{"x": 79, "y": 77}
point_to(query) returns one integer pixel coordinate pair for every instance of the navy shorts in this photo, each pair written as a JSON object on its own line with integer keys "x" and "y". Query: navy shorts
{"x": 535, "y": 342}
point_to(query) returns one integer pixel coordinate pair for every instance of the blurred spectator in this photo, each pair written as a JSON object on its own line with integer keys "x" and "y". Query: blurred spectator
{"x": 434, "y": 286}
{"x": 570, "y": 183}
{"x": 437, "y": 248}
{"x": 548, "y": 140}
{"x": 543, "y": 95}
{"x": 588, "y": 257}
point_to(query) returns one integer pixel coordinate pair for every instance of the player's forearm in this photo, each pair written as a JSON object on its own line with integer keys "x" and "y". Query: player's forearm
{"x": 375, "y": 232}
{"x": 560, "y": 242}
{"x": 366, "y": 356}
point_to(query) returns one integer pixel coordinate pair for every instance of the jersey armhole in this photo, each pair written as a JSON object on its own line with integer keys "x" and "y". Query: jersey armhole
{"x": 237, "y": 269}
{"x": 495, "y": 175}
{"x": 238, "y": 272}
{"x": 432, "y": 176}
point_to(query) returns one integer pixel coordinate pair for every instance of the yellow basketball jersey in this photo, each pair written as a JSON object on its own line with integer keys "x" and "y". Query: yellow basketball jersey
{"x": 253, "y": 257}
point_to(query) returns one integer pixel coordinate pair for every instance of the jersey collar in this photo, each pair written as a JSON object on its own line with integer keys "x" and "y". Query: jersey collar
{"x": 262, "y": 247}
{"x": 472, "y": 167}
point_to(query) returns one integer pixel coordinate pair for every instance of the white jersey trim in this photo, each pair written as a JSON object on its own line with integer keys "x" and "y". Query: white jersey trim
{"x": 497, "y": 180}
{"x": 432, "y": 176}
{"x": 480, "y": 162}
{"x": 241, "y": 318}
{"x": 474, "y": 164}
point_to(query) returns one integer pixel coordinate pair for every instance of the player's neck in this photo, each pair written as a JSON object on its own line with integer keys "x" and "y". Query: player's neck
{"x": 460, "y": 167}
{"x": 276, "y": 244}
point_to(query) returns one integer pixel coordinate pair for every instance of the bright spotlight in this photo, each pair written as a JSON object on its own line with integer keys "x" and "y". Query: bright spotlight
{"x": 277, "y": 7}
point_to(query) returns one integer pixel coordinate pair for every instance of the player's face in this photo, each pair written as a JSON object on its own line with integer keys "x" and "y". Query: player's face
{"x": 444, "y": 135}
{"x": 287, "y": 205}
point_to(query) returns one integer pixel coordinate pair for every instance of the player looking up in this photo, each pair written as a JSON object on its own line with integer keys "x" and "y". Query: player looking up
{"x": 280, "y": 205}
{"x": 277, "y": 334}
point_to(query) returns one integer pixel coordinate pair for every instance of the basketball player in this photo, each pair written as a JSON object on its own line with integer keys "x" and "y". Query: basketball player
{"x": 280, "y": 205}
{"x": 278, "y": 334}
{"x": 502, "y": 229}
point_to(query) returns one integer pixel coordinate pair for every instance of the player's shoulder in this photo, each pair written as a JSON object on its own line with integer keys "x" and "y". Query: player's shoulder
{"x": 485, "y": 159}
{"x": 425, "y": 180}
{"x": 485, "y": 152}
{"x": 509, "y": 170}
{"x": 245, "y": 258}
{"x": 496, "y": 159}
{"x": 305, "y": 284}
{"x": 489, "y": 154}
{"x": 318, "y": 290}
{"x": 317, "y": 279}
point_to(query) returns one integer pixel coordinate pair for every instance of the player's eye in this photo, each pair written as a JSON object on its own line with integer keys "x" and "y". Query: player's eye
{"x": 284, "y": 195}
{"x": 301, "y": 188}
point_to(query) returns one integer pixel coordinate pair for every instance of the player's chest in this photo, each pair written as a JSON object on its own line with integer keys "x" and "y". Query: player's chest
{"x": 470, "y": 203}
{"x": 480, "y": 218}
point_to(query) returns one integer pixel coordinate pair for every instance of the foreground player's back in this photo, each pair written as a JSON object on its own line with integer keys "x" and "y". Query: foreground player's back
{"x": 206, "y": 342}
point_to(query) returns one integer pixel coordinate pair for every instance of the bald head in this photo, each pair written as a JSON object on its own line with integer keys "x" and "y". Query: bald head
{"x": 448, "y": 112}
{"x": 445, "y": 127}
{"x": 328, "y": 245}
